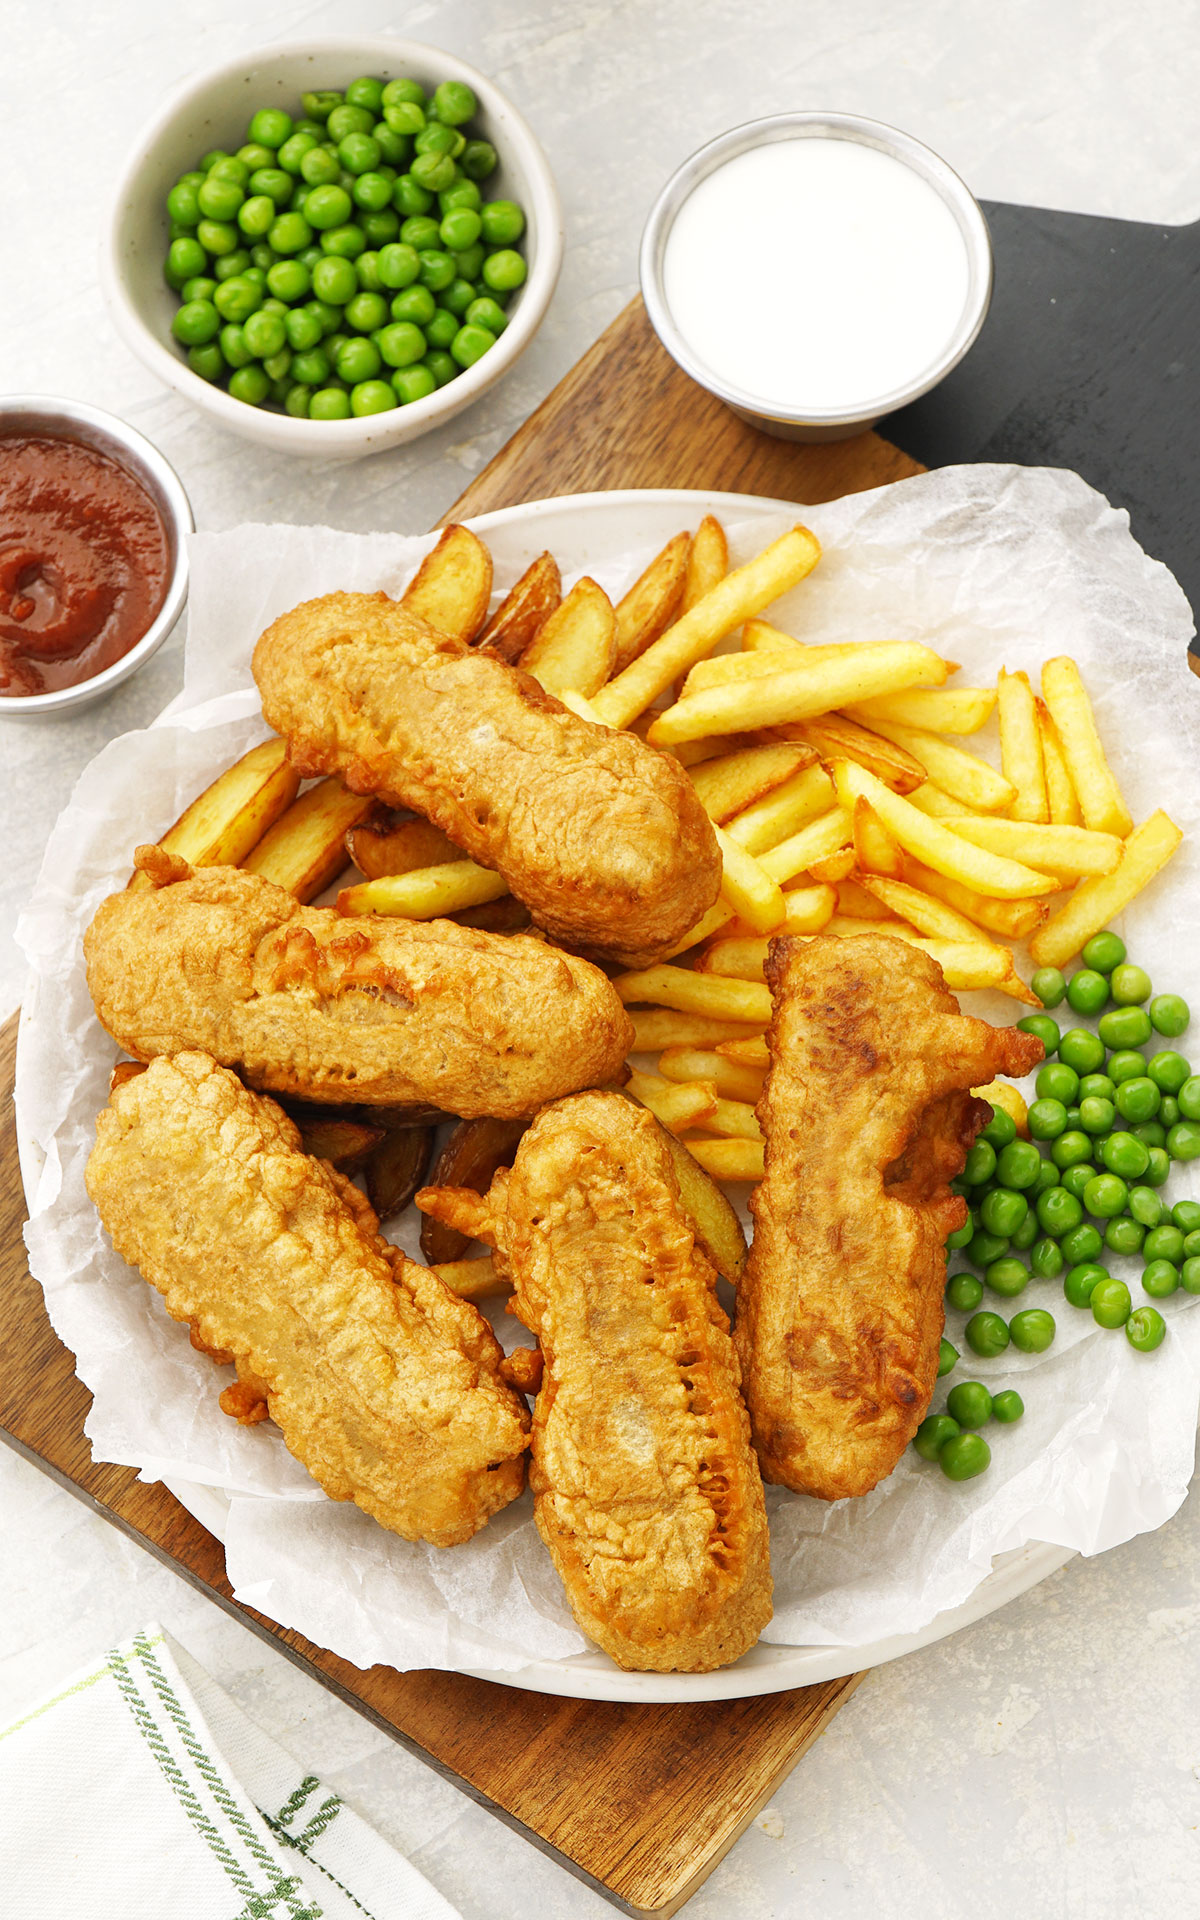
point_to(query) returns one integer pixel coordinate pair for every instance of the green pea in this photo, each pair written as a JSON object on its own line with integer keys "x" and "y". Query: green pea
{"x": 1017, "y": 1164}
{"x": 183, "y": 204}
{"x": 964, "y": 1291}
{"x": 380, "y": 228}
{"x": 1023, "y": 1236}
{"x": 334, "y": 281}
{"x": 961, "y": 1235}
{"x": 358, "y": 360}
{"x": 1124, "y": 1026}
{"x": 1188, "y": 1096}
{"x": 1042, "y": 1027}
{"x": 264, "y": 257}
{"x": 504, "y": 271}
{"x": 274, "y": 183}
{"x": 366, "y": 312}
{"x": 410, "y": 198}
{"x": 1169, "y": 1015}
{"x": 1104, "y": 951}
{"x": 1048, "y": 1176}
{"x": 1000, "y": 1129}
{"x": 201, "y": 287}
{"x": 398, "y": 90}
{"x": 947, "y": 1354}
{"x": 1046, "y": 1260}
{"x": 986, "y": 1334}
{"x": 371, "y": 396}
{"x": 985, "y": 1247}
{"x": 1082, "y": 1050}
{"x": 327, "y": 206}
{"x": 1169, "y": 1071}
{"x": 454, "y": 103}
{"x": 256, "y": 216}
{"x": 1096, "y": 1086}
{"x": 1007, "y": 1406}
{"x": 1071, "y": 1149}
{"x": 289, "y": 280}
{"x": 1082, "y": 1243}
{"x": 270, "y": 127}
{"x": 1081, "y": 1281}
{"x": 1087, "y": 991}
{"x": 372, "y": 192}
{"x": 1072, "y": 1119}
{"x": 348, "y": 118}
{"x": 470, "y": 263}
{"x": 1125, "y": 1155}
{"x": 1146, "y": 1207}
{"x": 443, "y": 369}
{"x": 1007, "y": 1276}
{"x": 290, "y": 232}
{"x": 1138, "y": 1100}
{"x": 399, "y": 265}
{"x": 1075, "y": 1180}
{"x": 433, "y": 170}
{"x": 969, "y": 1403}
{"x": 196, "y": 322}
{"x": 1165, "y": 1243}
{"x": 320, "y": 168}
{"x": 344, "y": 243}
{"x": 265, "y": 334}
{"x": 1128, "y": 1065}
{"x": 416, "y": 304}
{"x": 1158, "y": 1171}
{"x": 1058, "y": 1211}
{"x": 219, "y": 199}
{"x": 367, "y": 269}
{"x": 232, "y": 263}
{"x": 237, "y": 299}
{"x": 217, "y": 237}
{"x": 1003, "y": 1212}
{"x": 1050, "y": 987}
{"x": 1168, "y": 1112}
{"x": 420, "y": 233}
{"x": 933, "y": 1433}
{"x": 1130, "y": 986}
{"x": 291, "y": 154}
{"x": 402, "y": 344}
{"x": 311, "y": 368}
{"x": 964, "y": 1455}
{"x": 1110, "y": 1303}
{"x": 464, "y": 193}
{"x": 1160, "y": 1279}
{"x": 1189, "y": 1274}
{"x": 485, "y": 313}
{"x": 1097, "y": 1116}
{"x": 1151, "y": 1133}
{"x": 213, "y": 158}
{"x": 503, "y": 223}
{"x": 277, "y": 366}
{"x": 366, "y": 92}
{"x": 319, "y": 106}
{"x": 405, "y": 119}
{"x": 1145, "y": 1329}
{"x": 479, "y": 160}
{"x": 1183, "y": 1140}
{"x": 1057, "y": 1082}
{"x": 329, "y": 403}
{"x": 1123, "y": 1235}
{"x": 1185, "y": 1215}
{"x": 1033, "y": 1330}
{"x": 234, "y": 350}
{"x": 207, "y": 361}
{"x": 437, "y": 269}
{"x": 441, "y": 329}
{"x": 1105, "y": 1196}
{"x": 250, "y": 384}
{"x": 360, "y": 154}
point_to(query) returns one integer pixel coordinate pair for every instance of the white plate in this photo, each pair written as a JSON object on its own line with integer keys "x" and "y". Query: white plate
{"x": 582, "y": 530}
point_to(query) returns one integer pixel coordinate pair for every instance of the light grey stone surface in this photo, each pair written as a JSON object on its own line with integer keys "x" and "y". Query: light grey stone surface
{"x": 1045, "y": 1762}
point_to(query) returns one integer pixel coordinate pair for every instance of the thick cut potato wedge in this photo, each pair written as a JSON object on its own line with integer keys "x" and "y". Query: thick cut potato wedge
{"x": 834, "y": 868}
{"x": 698, "y": 993}
{"x": 673, "y": 1106}
{"x": 306, "y": 848}
{"x": 475, "y": 1150}
{"x": 396, "y": 1168}
{"x": 453, "y": 584}
{"x": 707, "y": 562}
{"x": 1021, "y": 754}
{"x": 426, "y": 893}
{"x": 345, "y": 1143}
{"x": 652, "y": 602}
{"x": 227, "y": 821}
{"x": 835, "y": 737}
{"x": 936, "y": 709}
{"x": 398, "y": 846}
{"x": 1097, "y": 901}
{"x": 798, "y": 692}
{"x": 523, "y": 610}
{"x": 1091, "y": 776}
{"x": 733, "y": 782}
{"x": 962, "y": 775}
{"x": 935, "y": 844}
{"x": 574, "y": 650}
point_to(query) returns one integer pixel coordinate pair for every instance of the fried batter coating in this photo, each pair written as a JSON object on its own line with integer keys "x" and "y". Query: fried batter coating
{"x": 384, "y": 1384}
{"x": 302, "y": 1001}
{"x": 867, "y": 1116}
{"x": 603, "y": 838}
{"x": 647, "y": 1492}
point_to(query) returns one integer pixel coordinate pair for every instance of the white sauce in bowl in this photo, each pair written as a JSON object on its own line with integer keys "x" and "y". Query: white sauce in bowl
{"x": 816, "y": 273}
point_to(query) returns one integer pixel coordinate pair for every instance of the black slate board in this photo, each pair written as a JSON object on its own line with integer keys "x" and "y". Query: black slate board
{"x": 1089, "y": 358}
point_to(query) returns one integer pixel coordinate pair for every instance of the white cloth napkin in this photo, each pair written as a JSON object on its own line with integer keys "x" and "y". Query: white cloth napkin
{"x": 139, "y": 1788}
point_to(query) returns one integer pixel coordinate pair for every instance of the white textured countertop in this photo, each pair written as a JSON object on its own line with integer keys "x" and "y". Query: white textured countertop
{"x": 1045, "y": 1762}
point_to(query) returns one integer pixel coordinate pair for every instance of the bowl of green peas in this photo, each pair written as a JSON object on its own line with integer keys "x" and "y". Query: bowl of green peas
{"x": 333, "y": 246}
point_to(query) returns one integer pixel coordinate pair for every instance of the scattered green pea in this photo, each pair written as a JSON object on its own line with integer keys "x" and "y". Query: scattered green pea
{"x": 1169, "y": 1015}
{"x": 1081, "y": 1281}
{"x": 1125, "y": 1155}
{"x": 1105, "y": 1196}
{"x": 1087, "y": 991}
{"x": 1032, "y": 1331}
{"x": 1000, "y": 1130}
{"x": 1047, "y": 1118}
{"x": 1003, "y": 1211}
{"x": 1158, "y": 1167}
{"x": 1050, "y": 987}
{"x": 1183, "y": 1140}
{"x": 1071, "y": 1148}
{"x": 986, "y": 1334}
{"x": 1110, "y": 1303}
{"x": 1096, "y": 1116}
{"x": 1168, "y": 1070}
{"x": 964, "y": 1456}
{"x": 1081, "y": 1050}
{"x": 1104, "y": 951}
{"x": 1160, "y": 1279}
{"x": 1189, "y": 1274}
{"x": 1007, "y": 1276}
{"x": 969, "y": 1403}
{"x": 1007, "y": 1406}
{"x": 1125, "y": 1065}
{"x": 1124, "y": 1027}
{"x": 1145, "y": 1329}
{"x": 964, "y": 1292}
{"x": 1074, "y": 1180}
{"x": 1046, "y": 1260}
{"x": 1123, "y": 1235}
{"x": 1130, "y": 986}
{"x": 1082, "y": 1243}
{"x": 933, "y": 1433}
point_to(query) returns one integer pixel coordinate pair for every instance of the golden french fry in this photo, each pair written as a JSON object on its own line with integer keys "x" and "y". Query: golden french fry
{"x": 1061, "y": 798}
{"x": 717, "y": 916}
{"x": 1091, "y": 776}
{"x": 575, "y": 646}
{"x": 938, "y": 805}
{"x": 731, "y": 1080}
{"x": 852, "y": 897}
{"x": 652, "y": 602}
{"x": 655, "y": 1028}
{"x": 676, "y": 1107}
{"x": 935, "y": 844}
{"x": 378, "y": 850}
{"x": 689, "y": 992}
{"x": 875, "y": 851}
{"x": 801, "y": 798}
{"x": 1096, "y": 901}
{"x": 834, "y": 868}
{"x": 1000, "y": 1093}
{"x": 1021, "y": 747}
{"x": 1012, "y": 919}
{"x": 690, "y": 753}
{"x": 761, "y": 636}
{"x": 473, "y": 1279}
{"x": 229, "y": 818}
{"x": 524, "y": 610}
{"x": 968, "y": 965}
{"x": 740, "y": 957}
{"x": 752, "y": 1051}
{"x": 714, "y": 1222}
{"x": 426, "y": 893}
{"x": 731, "y": 783}
{"x": 707, "y": 561}
{"x": 808, "y": 909}
{"x": 922, "y": 910}
{"x": 306, "y": 848}
{"x": 729, "y": 1159}
{"x": 580, "y": 704}
{"x": 734, "y": 669}
{"x": 835, "y": 737}
{"x": 746, "y": 885}
{"x": 824, "y": 836}
{"x": 1071, "y": 851}
{"x": 733, "y": 1119}
{"x": 740, "y": 594}
{"x": 936, "y": 709}
{"x": 453, "y": 584}
{"x": 957, "y": 773}
{"x": 798, "y": 692}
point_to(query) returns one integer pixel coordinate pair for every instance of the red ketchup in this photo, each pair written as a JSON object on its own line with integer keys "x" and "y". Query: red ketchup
{"x": 84, "y": 562}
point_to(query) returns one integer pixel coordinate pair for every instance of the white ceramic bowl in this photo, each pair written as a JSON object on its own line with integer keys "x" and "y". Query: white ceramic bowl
{"x": 212, "y": 110}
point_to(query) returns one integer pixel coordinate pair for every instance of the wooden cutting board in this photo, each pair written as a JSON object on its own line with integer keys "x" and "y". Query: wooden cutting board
{"x": 639, "y": 1801}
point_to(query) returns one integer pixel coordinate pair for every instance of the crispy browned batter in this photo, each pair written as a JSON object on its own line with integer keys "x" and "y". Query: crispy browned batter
{"x": 647, "y": 1492}
{"x": 602, "y": 837}
{"x": 868, "y": 1116}
{"x": 384, "y": 1384}
{"x": 303, "y": 1001}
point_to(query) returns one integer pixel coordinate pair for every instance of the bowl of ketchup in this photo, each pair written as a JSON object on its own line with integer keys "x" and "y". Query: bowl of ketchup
{"x": 93, "y": 553}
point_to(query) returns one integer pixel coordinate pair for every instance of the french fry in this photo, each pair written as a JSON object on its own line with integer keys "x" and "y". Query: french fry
{"x": 1061, "y": 798}
{"x": 1096, "y": 901}
{"x": 652, "y": 602}
{"x": 808, "y": 909}
{"x": 473, "y": 1279}
{"x": 1012, "y": 919}
{"x": 835, "y": 867}
{"x": 1000, "y": 1093}
{"x": 936, "y": 709}
{"x": 707, "y": 561}
{"x": 690, "y": 753}
{"x": 746, "y": 885}
{"x": 579, "y": 703}
{"x": 524, "y": 610}
{"x": 875, "y": 851}
{"x": 740, "y": 594}
{"x": 803, "y": 797}
{"x": 962, "y": 775}
{"x": 1091, "y": 776}
{"x": 835, "y": 737}
{"x": 1021, "y": 747}
{"x": 968, "y": 965}
{"x": 731, "y": 1080}
{"x": 922, "y": 910}
{"x": 453, "y": 584}
{"x": 717, "y": 917}
{"x": 378, "y": 850}
{"x": 1070, "y": 851}
{"x": 759, "y": 636}
{"x": 935, "y": 844}
{"x": 701, "y": 993}
{"x": 812, "y": 844}
{"x": 938, "y": 805}
{"x": 729, "y": 1159}
{"x": 852, "y": 897}
{"x": 576, "y": 645}
{"x": 732, "y": 782}
{"x": 734, "y": 669}
{"x": 737, "y": 958}
{"x": 714, "y": 1222}
{"x": 224, "y": 823}
{"x": 752, "y": 1051}
{"x": 733, "y": 1119}
{"x": 655, "y": 1028}
{"x": 306, "y": 848}
{"x": 427, "y": 893}
{"x": 675, "y": 1107}
{"x": 798, "y": 692}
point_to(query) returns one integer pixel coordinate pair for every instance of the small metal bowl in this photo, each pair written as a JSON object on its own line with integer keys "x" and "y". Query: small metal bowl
{"x": 72, "y": 420}
{"x": 815, "y": 423}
